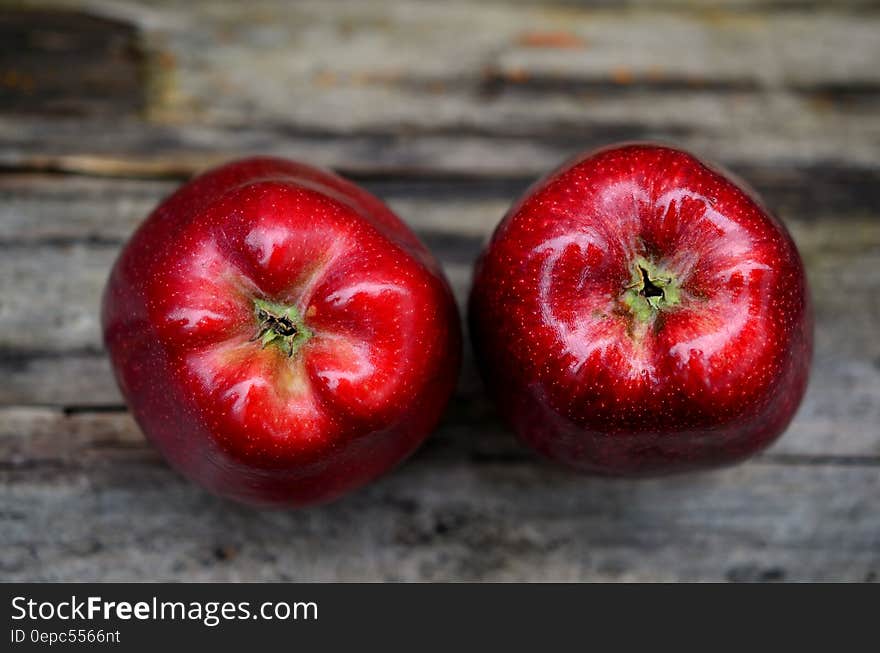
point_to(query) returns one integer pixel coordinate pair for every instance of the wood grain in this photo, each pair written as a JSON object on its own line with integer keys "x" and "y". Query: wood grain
{"x": 69, "y": 64}
{"x": 374, "y": 86}
{"x": 838, "y": 416}
{"x": 784, "y": 92}
{"x": 100, "y": 506}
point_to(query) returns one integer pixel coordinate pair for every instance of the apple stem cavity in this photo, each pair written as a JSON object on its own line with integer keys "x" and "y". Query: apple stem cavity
{"x": 650, "y": 291}
{"x": 281, "y": 326}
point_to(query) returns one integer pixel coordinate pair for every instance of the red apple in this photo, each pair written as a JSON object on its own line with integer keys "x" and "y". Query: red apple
{"x": 279, "y": 334}
{"x": 638, "y": 313}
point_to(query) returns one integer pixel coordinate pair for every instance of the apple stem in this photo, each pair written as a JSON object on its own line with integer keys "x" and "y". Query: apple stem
{"x": 280, "y": 325}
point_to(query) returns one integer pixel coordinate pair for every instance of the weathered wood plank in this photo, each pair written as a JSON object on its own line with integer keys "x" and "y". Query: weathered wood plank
{"x": 130, "y": 148}
{"x": 57, "y": 287}
{"x": 842, "y": 6}
{"x": 57, "y": 209}
{"x": 47, "y": 286}
{"x": 382, "y": 42}
{"x": 69, "y": 63}
{"x": 392, "y": 40}
{"x": 838, "y": 417}
{"x": 57, "y": 360}
{"x": 374, "y": 86}
{"x": 91, "y": 502}
{"x": 61, "y": 234}
{"x": 80, "y": 378}
{"x": 52, "y": 291}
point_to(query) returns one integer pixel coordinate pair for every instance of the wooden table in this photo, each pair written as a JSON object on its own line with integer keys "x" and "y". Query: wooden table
{"x": 447, "y": 110}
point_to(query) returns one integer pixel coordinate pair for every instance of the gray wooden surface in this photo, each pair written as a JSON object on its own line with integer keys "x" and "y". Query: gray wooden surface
{"x": 448, "y": 110}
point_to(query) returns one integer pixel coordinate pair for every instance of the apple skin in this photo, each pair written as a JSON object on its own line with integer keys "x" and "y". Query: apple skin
{"x": 638, "y": 313}
{"x": 279, "y": 334}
